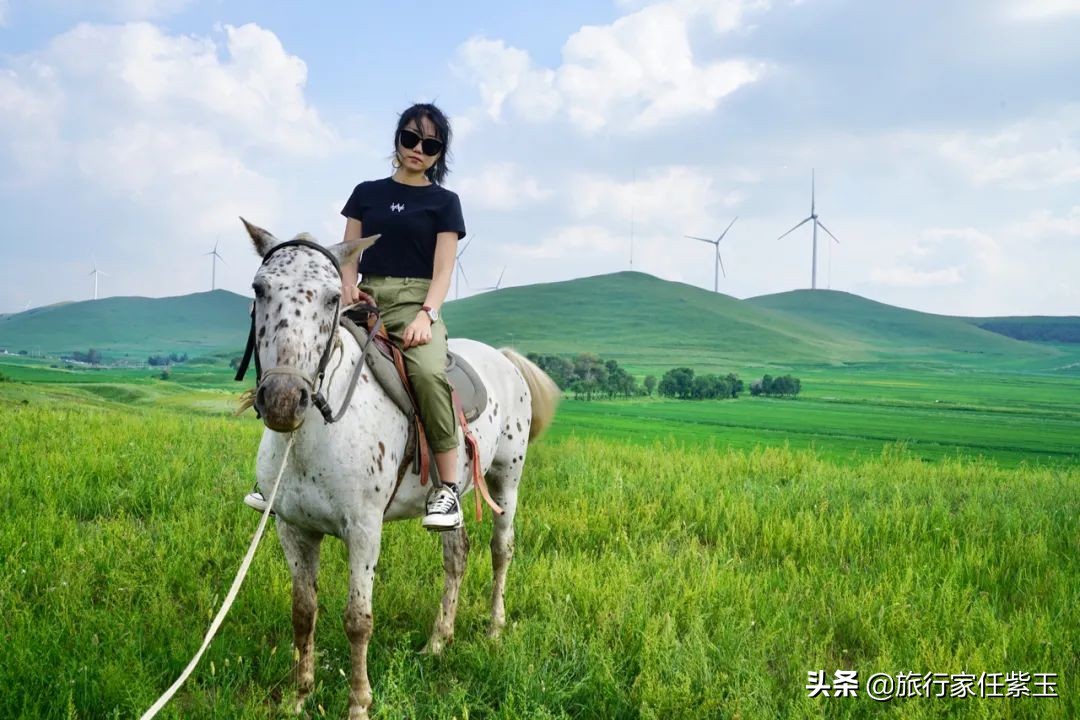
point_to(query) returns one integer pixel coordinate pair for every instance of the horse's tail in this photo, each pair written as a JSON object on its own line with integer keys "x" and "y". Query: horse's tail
{"x": 545, "y": 393}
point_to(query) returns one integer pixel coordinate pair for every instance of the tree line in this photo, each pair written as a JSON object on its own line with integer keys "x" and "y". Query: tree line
{"x": 159, "y": 360}
{"x": 589, "y": 376}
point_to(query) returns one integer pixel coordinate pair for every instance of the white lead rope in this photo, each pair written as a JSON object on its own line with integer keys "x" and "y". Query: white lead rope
{"x": 156, "y": 707}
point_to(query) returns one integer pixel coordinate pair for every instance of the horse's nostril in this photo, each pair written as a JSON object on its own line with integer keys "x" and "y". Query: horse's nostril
{"x": 260, "y": 397}
{"x": 303, "y": 398}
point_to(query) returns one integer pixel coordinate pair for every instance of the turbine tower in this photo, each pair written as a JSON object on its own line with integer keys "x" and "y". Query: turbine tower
{"x": 214, "y": 257}
{"x": 95, "y": 272}
{"x": 497, "y": 284}
{"x": 817, "y": 224}
{"x": 459, "y": 271}
{"x": 718, "y": 264}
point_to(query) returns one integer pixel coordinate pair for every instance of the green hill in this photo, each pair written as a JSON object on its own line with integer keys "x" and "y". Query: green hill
{"x": 1035, "y": 328}
{"x": 644, "y": 322}
{"x": 900, "y": 334}
{"x": 132, "y": 327}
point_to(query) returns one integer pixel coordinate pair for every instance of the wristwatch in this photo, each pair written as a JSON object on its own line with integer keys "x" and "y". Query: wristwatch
{"x": 431, "y": 313}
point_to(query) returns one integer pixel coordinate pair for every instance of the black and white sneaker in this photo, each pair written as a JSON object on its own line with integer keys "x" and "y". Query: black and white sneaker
{"x": 443, "y": 510}
{"x": 256, "y": 502}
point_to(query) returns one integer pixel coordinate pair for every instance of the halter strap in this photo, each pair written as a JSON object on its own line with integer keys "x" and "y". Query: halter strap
{"x": 315, "y": 381}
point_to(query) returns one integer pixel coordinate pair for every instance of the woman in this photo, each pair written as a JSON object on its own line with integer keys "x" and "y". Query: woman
{"x": 407, "y": 274}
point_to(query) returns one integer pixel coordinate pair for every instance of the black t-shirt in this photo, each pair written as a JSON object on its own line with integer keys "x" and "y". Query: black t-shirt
{"x": 408, "y": 218}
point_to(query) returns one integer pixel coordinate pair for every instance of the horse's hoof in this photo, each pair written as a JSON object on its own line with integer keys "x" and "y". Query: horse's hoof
{"x": 494, "y": 632}
{"x": 434, "y": 646}
{"x": 358, "y": 713}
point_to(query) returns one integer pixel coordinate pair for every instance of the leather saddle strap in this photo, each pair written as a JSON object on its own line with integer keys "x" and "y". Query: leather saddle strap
{"x": 480, "y": 489}
{"x": 406, "y": 458}
{"x": 422, "y": 446}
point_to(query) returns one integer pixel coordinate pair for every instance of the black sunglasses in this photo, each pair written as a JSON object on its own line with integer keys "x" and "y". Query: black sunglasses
{"x": 429, "y": 146}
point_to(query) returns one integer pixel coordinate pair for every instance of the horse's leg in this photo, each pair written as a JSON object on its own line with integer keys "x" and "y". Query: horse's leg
{"x": 363, "y": 544}
{"x": 455, "y": 545}
{"x": 302, "y": 553}
{"x": 503, "y": 483}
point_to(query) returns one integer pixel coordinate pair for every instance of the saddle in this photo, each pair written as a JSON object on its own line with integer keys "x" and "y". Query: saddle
{"x": 469, "y": 395}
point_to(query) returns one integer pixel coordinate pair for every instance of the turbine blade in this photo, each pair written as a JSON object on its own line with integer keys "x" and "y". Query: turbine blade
{"x": 691, "y": 237}
{"x": 795, "y": 228}
{"x": 721, "y": 261}
{"x": 497, "y": 284}
{"x": 726, "y": 229}
{"x": 811, "y": 191}
{"x": 822, "y": 226}
{"x": 464, "y": 276}
{"x": 463, "y": 249}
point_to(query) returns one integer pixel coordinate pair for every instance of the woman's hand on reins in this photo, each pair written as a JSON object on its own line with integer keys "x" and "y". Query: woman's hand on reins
{"x": 418, "y": 332}
{"x": 352, "y": 295}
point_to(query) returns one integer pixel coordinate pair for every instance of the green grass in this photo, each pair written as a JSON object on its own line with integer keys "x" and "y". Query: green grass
{"x": 651, "y": 580}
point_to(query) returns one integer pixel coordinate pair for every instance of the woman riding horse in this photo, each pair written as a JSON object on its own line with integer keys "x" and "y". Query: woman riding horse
{"x": 407, "y": 274}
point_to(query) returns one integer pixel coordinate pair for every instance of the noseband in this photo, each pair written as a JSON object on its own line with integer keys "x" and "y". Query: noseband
{"x": 314, "y": 382}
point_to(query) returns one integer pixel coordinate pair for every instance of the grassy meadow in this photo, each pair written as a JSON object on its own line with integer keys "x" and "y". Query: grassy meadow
{"x": 916, "y": 509}
{"x": 654, "y": 577}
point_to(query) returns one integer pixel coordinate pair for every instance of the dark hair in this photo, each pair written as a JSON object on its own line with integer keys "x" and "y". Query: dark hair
{"x": 437, "y": 172}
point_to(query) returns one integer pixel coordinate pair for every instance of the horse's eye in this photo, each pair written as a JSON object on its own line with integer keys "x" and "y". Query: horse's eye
{"x": 259, "y": 289}
{"x": 332, "y": 300}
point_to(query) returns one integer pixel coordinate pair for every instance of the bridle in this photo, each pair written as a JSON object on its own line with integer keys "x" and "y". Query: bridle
{"x": 315, "y": 381}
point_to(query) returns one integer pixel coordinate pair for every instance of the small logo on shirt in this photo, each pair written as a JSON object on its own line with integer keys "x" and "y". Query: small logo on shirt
{"x": 397, "y": 207}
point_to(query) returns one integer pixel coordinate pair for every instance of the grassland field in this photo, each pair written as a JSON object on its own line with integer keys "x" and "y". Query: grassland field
{"x": 674, "y": 559}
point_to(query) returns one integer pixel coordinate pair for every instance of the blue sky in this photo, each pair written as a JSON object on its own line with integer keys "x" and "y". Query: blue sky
{"x": 945, "y": 137}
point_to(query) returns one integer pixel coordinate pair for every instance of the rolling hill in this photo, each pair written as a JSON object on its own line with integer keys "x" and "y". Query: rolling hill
{"x": 644, "y": 322}
{"x": 899, "y": 333}
{"x": 132, "y": 327}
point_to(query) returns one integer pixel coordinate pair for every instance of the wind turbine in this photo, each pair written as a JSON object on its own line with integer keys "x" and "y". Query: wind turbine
{"x": 719, "y": 264}
{"x": 213, "y": 260}
{"x": 817, "y": 224}
{"x": 496, "y": 285}
{"x": 459, "y": 270}
{"x": 95, "y": 272}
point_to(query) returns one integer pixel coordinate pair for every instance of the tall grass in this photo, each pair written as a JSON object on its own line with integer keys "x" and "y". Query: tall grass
{"x": 650, "y": 581}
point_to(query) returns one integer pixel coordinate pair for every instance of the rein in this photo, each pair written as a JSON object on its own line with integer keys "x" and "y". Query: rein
{"x": 314, "y": 382}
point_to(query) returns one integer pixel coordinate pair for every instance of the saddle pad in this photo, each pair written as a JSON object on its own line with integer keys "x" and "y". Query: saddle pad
{"x": 462, "y": 377}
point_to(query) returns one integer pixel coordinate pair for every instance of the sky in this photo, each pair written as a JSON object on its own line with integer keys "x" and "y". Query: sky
{"x": 589, "y": 138}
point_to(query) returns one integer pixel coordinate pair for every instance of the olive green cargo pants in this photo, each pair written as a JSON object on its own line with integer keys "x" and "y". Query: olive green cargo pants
{"x": 400, "y": 299}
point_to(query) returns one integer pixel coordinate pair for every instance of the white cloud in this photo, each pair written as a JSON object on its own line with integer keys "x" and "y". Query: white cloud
{"x": 634, "y": 74}
{"x": 161, "y": 140}
{"x": 1037, "y": 152}
{"x": 908, "y": 277}
{"x": 1037, "y": 10}
{"x": 942, "y": 257}
{"x": 576, "y": 242}
{"x": 1044, "y": 225}
{"x": 4, "y": 9}
{"x": 162, "y": 121}
{"x": 673, "y": 200}
{"x": 501, "y": 186}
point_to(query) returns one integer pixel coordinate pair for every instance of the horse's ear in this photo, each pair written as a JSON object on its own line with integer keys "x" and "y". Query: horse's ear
{"x": 263, "y": 240}
{"x": 347, "y": 252}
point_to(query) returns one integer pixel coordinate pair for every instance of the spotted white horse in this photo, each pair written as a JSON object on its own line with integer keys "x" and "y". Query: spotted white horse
{"x": 341, "y": 475}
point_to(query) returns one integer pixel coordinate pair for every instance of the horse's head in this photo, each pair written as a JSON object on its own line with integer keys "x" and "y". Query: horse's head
{"x": 297, "y": 304}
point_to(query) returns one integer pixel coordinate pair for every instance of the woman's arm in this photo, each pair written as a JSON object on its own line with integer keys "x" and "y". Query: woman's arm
{"x": 349, "y": 292}
{"x": 445, "y": 254}
{"x": 418, "y": 331}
